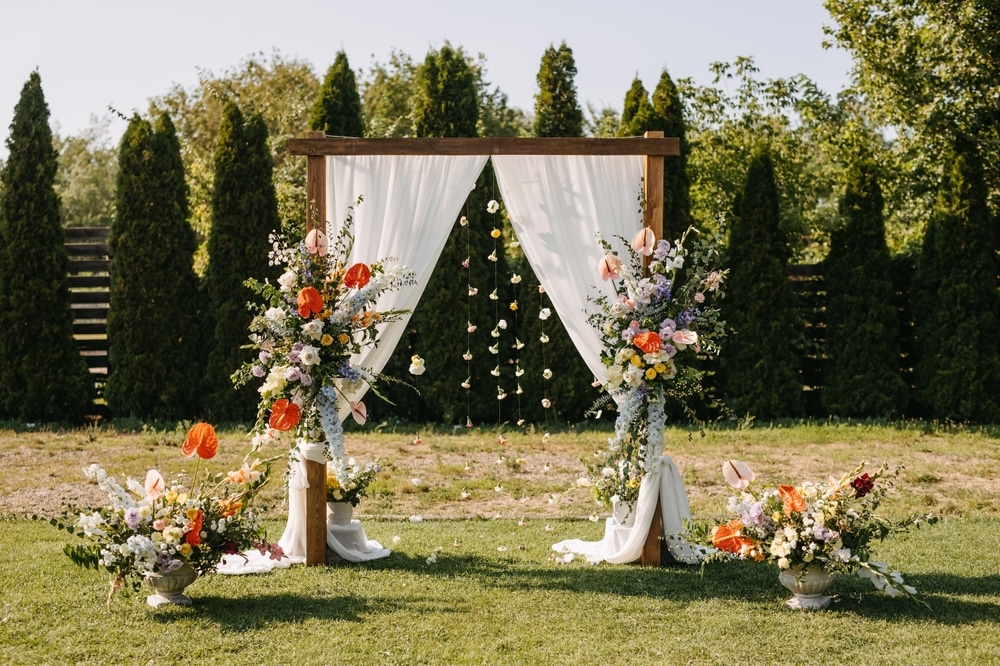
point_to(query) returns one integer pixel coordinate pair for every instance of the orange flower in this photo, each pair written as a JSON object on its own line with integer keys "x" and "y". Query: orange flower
{"x": 201, "y": 439}
{"x": 649, "y": 342}
{"x": 229, "y": 507}
{"x": 193, "y": 536}
{"x": 285, "y": 415}
{"x": 358, "y": 276}
{"x": 791, "y": 499}
{"x": 310, "y": 302}
{"x": 729, "y": 538}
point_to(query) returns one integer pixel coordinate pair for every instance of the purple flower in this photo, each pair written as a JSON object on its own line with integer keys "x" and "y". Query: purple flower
{"x": 293, "y": 374}
{"x": 132, "y": 518}
{"x": 685, "y": 318}
{"x": 257, "y": 371}
{"x": 667, "y": 328}
{"x": 348, "y": 372}
{"x": 305, "y": 380}
{"x": 754, "y": 515}
{"x": 824, "y": 534}
{"x": 661, "y": 249}
{"x": 264, "y": 356}
{"x": 669, "y": 349}
{"x": 293, "y": 355}
{"x": 662, "y": 287}
{"x": 630, "y": 332}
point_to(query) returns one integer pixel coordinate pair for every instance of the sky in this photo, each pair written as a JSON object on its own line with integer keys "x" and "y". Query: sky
{"x": 99, "y": 53}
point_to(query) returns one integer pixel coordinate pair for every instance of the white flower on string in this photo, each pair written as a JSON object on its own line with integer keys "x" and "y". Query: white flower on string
{"x": 492, "y": 206}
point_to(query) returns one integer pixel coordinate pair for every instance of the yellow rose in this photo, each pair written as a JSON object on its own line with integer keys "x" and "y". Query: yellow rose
{"x": 343, "y": 338}
{"x": 191, "y": 513}
{"x": 182, "y": 498}
{"x": 660, "y": 368}
{"x": 637, "y": 361}
{"x": 170, "y": 496}
{"x": 326, "y": 340}
{"x": 495, "y": 233}
{"x": 185, "y": 550}
{"x": 650, "y": 373}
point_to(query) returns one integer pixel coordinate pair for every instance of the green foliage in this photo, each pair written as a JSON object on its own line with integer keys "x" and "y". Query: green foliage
{"x": 862, "y": 377}
{"x": 337, "y": 110}
{"x": 85, "y": 181}
{"x": 557, "y": 111}
{"x": 42, "y": 375}
{"x": 446, "y": 103}
{"x": 387, "y": 95}
{"x": 759, "y": 365}
{"x": 956, "y": 302}
{"x": 283, "y": 90}
{"x": 637, "y": 113}
{"x": 669, "y": 112}
{"x": 244, "y": 213}
{"x": 153, "y": 323}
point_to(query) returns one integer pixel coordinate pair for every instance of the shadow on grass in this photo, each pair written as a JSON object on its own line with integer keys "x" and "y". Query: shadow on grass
{"x": 258, "y": 611}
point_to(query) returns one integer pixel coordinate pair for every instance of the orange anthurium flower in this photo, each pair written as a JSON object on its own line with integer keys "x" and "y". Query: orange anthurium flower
{"x": 229, "y": 507}
{"x": 285, "y": 415}
{"x": 358, "y": 276}
{"x": 791, "y": 499}
{"x": 310, "y": 302}
{"x": 649, "y": 341}
{"x": 193, "y": 536}
{"x": 728, "y": 536}
{"x": 201, "y": 439}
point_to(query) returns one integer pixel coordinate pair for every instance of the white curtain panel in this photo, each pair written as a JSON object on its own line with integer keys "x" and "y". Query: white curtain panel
{"x": 558, "y": 204}
{"x": 411, "y": 203}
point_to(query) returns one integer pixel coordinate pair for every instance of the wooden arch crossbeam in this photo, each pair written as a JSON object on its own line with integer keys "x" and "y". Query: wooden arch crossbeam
{"x": 317, "y": 146}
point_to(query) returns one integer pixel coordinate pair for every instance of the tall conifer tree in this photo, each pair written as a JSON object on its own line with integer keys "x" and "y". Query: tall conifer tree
{"x": 153, "y": 320}
{"x": 956, "y": 308}
{"x": 244, "y": 213}
{"x": 42, "y": 375}
{"x": 760, "y": 361}
{"x": 637, "y": 112}
{"x": 557, "y": 111}
{"x": 668, "y": 112}
{"x": 862, "y": 377}
{"x": 337, "y": 110}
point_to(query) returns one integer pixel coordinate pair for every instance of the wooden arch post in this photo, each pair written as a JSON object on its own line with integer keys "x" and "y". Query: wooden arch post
{"x": 316, "y": 147}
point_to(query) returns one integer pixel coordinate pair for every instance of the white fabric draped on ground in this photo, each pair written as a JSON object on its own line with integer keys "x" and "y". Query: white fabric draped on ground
{"x": 625, "y": 535}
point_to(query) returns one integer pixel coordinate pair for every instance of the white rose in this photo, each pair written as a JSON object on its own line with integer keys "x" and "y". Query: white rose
{"x": 287, "y": 281}
{"x": 276, "y": 315}
{"x": 614, "y": 376}
{"x": 314, "y": 329}
{"x": 309, "y": 356}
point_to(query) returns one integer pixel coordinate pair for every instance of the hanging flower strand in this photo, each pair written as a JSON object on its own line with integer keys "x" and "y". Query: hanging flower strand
{"x": 470, "y": 327}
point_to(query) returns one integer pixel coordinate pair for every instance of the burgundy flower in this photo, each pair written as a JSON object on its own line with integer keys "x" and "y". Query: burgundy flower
{"x": 863, "y": 485}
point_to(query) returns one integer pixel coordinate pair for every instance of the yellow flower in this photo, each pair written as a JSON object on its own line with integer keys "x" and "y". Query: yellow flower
{"x": 185, "y": 550}
{"x": 343, "y": 338}
{"x": 495, "y": 233}
{"x": 170, "y": 496}
{"x": 637, "y": 361}
{"x": 326, "y": 340}
{"x": 513, "y": 306}
{"x": 650, "y": 373}
{"x": 660, "y": 368}
{"x": 182, "y": 498}
{"x": 776, "y": 516}
{"x": 191, "y": 513}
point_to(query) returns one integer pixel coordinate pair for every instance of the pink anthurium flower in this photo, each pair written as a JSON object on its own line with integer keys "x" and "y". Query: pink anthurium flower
{"x": 609, "y": 267}
{"x": 644, "y": 241}
{"x": 684, "y": 337}
{"x": 154, "y": 484}
{"x": 359, "y": 412}
{"x": 317, "y": 243}
{"x": 737, "y": 473}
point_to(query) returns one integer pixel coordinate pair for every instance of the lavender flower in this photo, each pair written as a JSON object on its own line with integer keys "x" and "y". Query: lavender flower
{"x": 132, "y": 518}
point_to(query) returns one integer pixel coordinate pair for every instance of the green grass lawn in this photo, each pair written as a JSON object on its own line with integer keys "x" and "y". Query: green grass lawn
{"x": 492, "y": 594}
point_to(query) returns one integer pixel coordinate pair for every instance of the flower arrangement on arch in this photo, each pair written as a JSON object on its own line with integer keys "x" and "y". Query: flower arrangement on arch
{"x": 352, "y": 483}
{"x": 661, "y": 319}
{"x": 159, "y": 525}
{"x": 833, "y": 524}
{"x": 304, "y": 332}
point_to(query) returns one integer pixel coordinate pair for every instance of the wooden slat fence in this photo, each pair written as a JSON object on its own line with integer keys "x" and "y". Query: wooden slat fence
{"x": 89, "y": 284}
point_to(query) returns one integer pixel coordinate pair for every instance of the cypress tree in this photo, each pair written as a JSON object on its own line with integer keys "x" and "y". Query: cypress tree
{"x": 244, "y": 213}
{"x": 448, "y": 103}
{"x": 42, "y": 375}
{"x": 153, "y": 320}
{"x": 637, "y": 112}
{"x": 759, "y": 365}
{"x": 862, "y": 375}
{"x": 668, "y": 112}
{"x": 557, "y": 111}
{"x": 956, "y": 306}
{"x": 337, "y": 110}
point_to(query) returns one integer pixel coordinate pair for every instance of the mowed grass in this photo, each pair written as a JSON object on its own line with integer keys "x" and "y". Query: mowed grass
{"x": 475, "y": 581}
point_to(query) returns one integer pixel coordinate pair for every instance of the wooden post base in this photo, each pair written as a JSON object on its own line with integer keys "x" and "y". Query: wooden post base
{"x": 652, "y": 554}
{"x": 315, "y": 513}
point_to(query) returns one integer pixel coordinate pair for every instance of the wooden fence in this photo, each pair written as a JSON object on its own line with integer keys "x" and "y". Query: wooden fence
{"x": 89, "y": 284}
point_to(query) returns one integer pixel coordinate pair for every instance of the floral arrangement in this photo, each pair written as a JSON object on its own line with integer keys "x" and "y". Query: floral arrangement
{"x": 352, "y": 483}
{"x": 305, "y": 331}
{"x": 661, "y": 319}
{"x": 158, "y": 526}
{"x": 831, "y": 524}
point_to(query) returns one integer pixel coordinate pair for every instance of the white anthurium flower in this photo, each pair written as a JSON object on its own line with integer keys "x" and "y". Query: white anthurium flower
{"x": 737, "y": 474}
{"x": 517, "y": 344}
{"x": 544, "y": 313}
{"x": 493, "y": 295}
{"x": 494, "y": 349}
{"x": 546, "y": 373}
{"x": 495, "y": 371}
{"x": 502, "y": 324}
{"x": 492, "y": 206}
{"x": 495, "y": 333}
{"x": 416, "y": 365}
{"x": 544, "y": 338}
{"x": 515, "y": 279}
{"x": 492, "y": 256}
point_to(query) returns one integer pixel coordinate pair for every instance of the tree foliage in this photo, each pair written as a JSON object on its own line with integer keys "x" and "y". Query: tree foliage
{"x": 637, "y": 113}
{"x": 42, "y": 375}
{"x": 557, "y": 111}
{"x": 337, "y": 110}
{"x": 956, "y": 301}
{"x": 244, "y": 213}
{"x": 153, "y": 321}
{"x": 862, "y": 377}
{"x": 85, "y": 181}
{"x": 446, "y": 103}
{"x": 760, "y": 364}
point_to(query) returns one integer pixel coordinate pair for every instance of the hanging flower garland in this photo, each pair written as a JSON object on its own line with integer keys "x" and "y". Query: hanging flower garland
{"x": 470, "y": 327}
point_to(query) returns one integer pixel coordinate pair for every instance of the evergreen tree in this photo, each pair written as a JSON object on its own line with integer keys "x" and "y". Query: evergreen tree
{"x": 759, "y": 365}
{"x": 244, "y": 213}
{"x": 668, "y": 114}
{"x": 42, "y": 375}
{"x": 447, "y": 104}
{"x": 557, "y": 111}
{"x": 337, "y": 110}
{"x": 153, "y": 320}
{"x": 637, "y": 112}
{"x": 862, "y": 376}
{"x": 958, "y": 366}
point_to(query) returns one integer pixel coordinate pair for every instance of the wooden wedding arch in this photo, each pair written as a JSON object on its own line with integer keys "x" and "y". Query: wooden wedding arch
{"x": 317, "y": 146}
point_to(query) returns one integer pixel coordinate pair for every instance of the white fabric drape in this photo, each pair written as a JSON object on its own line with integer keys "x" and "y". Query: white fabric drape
{"x": 557, "y": 205}
{"x": 625, "y": 536}
{"x": 411, "y": 203}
